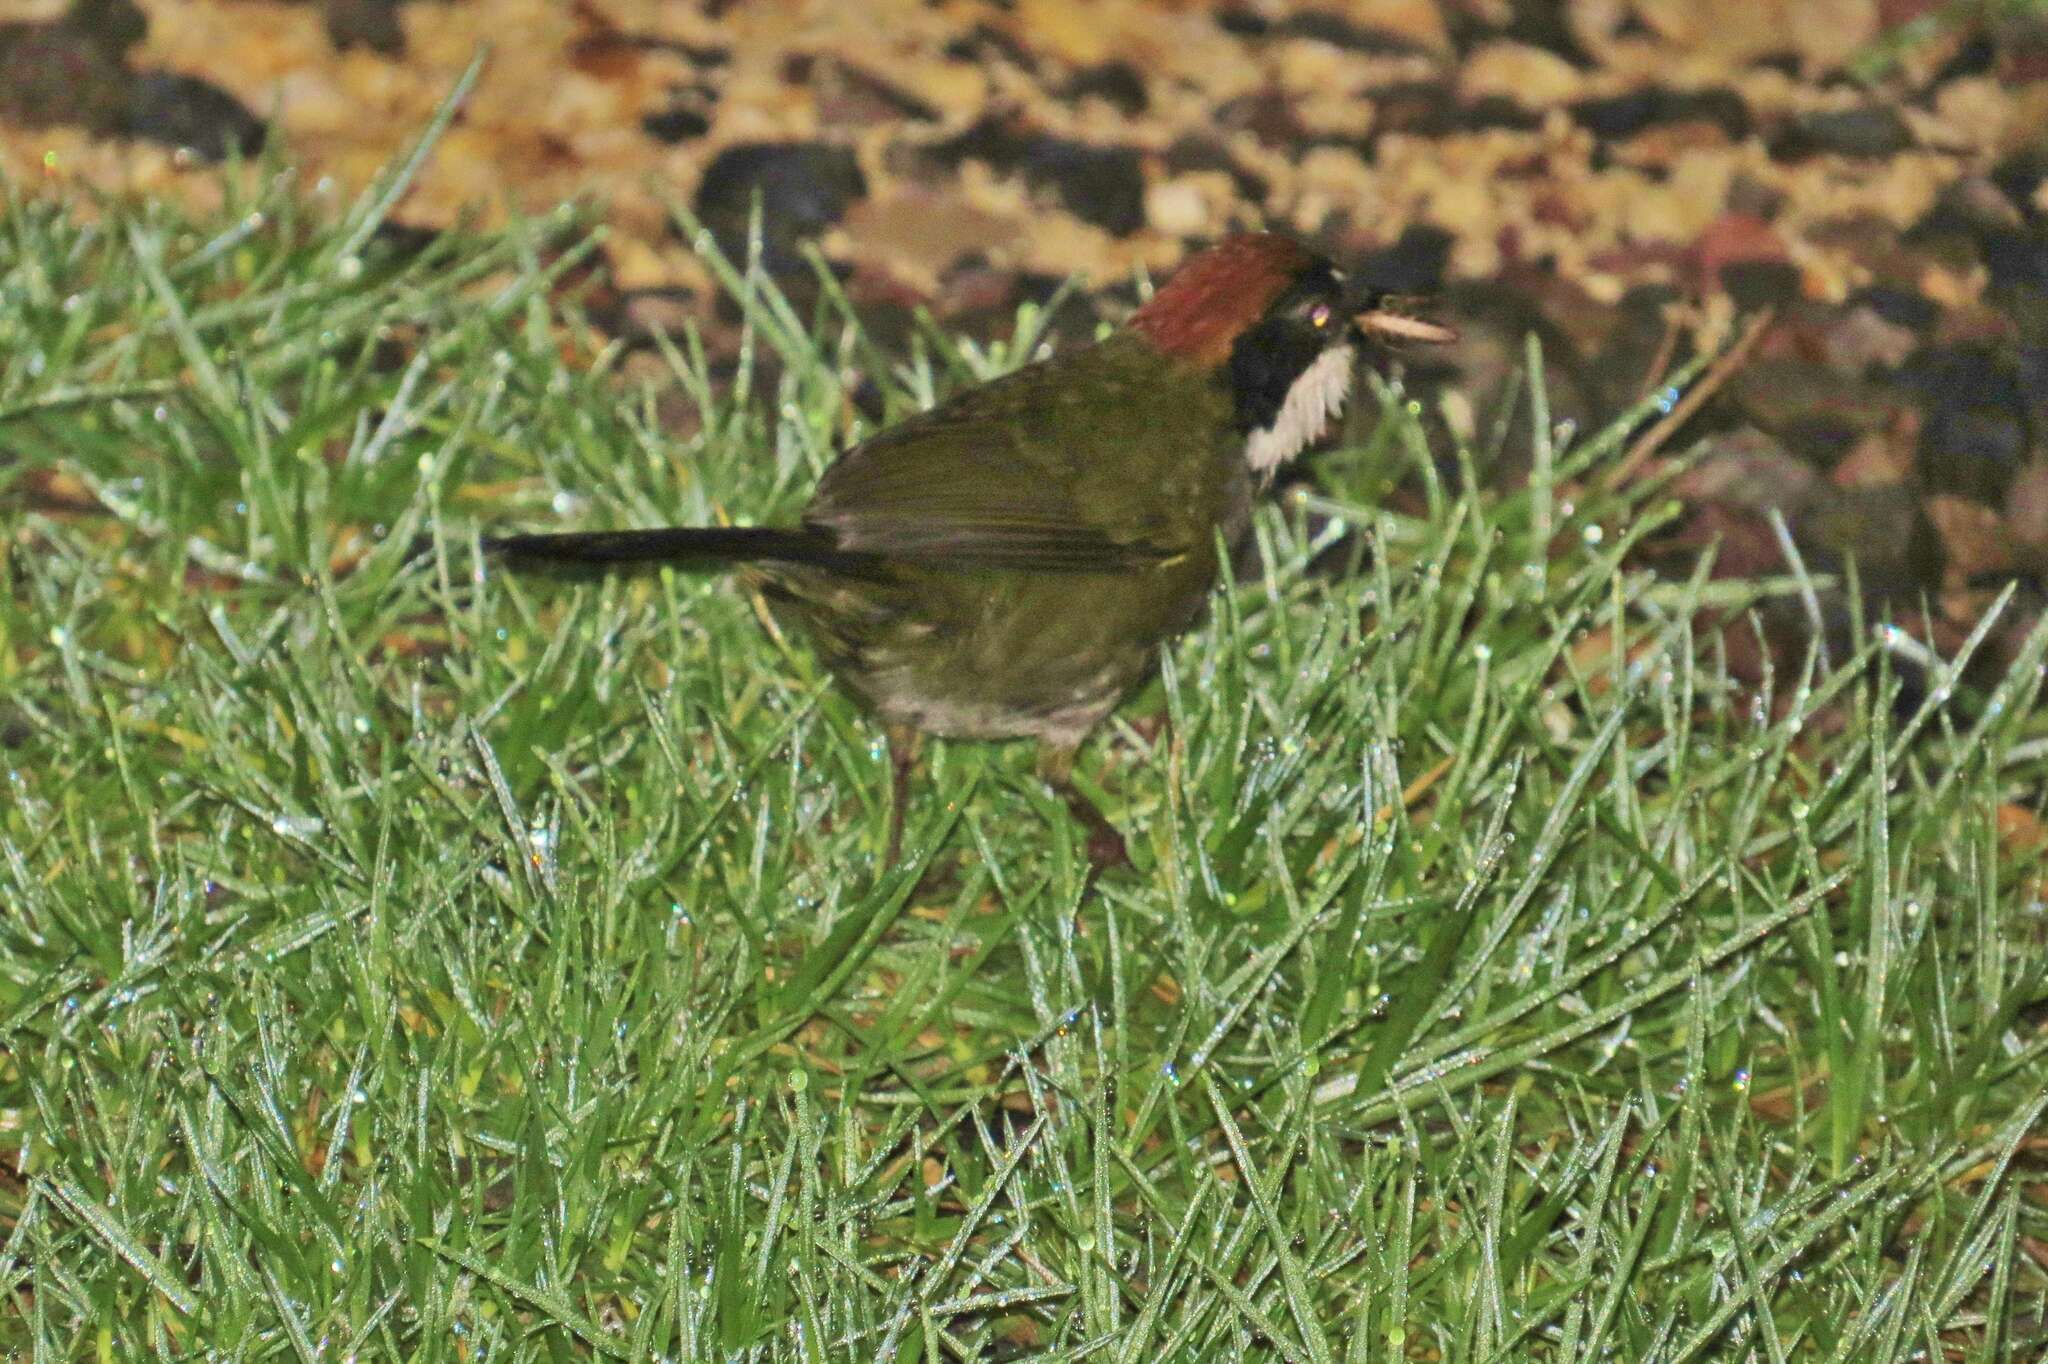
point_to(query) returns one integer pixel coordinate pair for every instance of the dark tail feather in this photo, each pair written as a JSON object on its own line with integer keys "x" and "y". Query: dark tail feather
{"x": 683, "y": 546}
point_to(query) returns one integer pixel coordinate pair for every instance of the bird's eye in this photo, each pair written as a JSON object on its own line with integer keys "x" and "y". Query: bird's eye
{"x": 1319, "y": 315}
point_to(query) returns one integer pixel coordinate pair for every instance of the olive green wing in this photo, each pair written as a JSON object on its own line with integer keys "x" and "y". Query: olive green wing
{"x": 1020, "y": 473}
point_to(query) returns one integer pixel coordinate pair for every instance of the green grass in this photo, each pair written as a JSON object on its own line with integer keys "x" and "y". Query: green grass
{"x": 1882, "y": 56}
{"x": 402, "y": 961}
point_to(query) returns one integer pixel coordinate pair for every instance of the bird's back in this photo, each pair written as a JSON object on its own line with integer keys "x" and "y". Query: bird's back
{"x": 1039, "y": 536}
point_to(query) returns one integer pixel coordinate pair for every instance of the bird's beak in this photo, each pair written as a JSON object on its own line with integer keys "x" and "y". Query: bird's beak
{"x": 1386, "y": 321}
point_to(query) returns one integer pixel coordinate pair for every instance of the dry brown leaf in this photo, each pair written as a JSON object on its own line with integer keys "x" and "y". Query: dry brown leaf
{"x": 1882, "y": 458}
{"x": 1528, "y": 75}
{"x": 1973, "y": 538}
{"x": 2020, "y": 830}
{"x": 1827, "y": 33}
{"x": 1595, "y": 22}
{"x": 1419, "y": 21}
{"x": 1071, "y": 28}
{"x": 1707, "y": 29}
{"x": 2026, "y": 506}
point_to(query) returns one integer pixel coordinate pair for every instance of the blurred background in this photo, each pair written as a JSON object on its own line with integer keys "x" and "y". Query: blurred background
{"x": 1628, "y": 179}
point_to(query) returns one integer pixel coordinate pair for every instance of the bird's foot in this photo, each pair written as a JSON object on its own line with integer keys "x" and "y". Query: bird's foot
{"x": 1106, "y": 848}
{"x": 903, "y": 750}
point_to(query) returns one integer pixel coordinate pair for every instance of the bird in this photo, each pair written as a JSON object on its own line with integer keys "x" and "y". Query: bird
{"x": 1008, "y": 563}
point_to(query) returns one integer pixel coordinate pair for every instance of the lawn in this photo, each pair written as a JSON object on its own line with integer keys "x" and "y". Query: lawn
{"x": 399, "y": 960}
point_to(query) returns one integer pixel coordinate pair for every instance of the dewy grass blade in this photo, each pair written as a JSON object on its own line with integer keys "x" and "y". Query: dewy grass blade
{"x": 1440, "y": 1081}
{"x": 1421, "y": 997}
{"x": 560, "y": 1311}
{"x": 206, "y": 376}
{"x": 1811, "y": 1231}
{"x": 382, "y": 195}
{"x": 1300, "y": 1303}
{"x": 110, "y": 1231}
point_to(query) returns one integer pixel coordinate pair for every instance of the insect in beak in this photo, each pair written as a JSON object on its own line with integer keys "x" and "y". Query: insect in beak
{"x": 1387, "y": 323}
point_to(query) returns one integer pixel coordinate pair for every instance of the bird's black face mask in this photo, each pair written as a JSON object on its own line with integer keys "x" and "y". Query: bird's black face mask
{"x": 1273, "y": 353}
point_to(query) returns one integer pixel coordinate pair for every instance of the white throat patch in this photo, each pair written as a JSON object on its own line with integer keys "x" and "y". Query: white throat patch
{"x": 1316, "y": 396}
